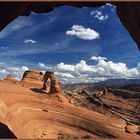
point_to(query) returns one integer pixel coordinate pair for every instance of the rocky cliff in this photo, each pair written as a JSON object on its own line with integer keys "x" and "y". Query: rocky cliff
{"x": 32, "y": 78}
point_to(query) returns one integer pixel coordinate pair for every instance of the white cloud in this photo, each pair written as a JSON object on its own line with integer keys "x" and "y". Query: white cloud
{"x": 108, "y": 5}
{"x": 24, "y": 68}
{"x": 17, "y": 71}
{"x": 80, "y": 72}
{"x": 3, "y": 71}
{"x": 65, "y": 75}
{"x": 30, "y": 41}
{"x": 98, "y": 58}
{"x": 99, "y": 15}
{"x": 65, "y": 67}
{"x": 103, "y": 70}
{"x": 42, "y": 65}
{"x": 83, "y": 33}
{"x": 45, "y": 67}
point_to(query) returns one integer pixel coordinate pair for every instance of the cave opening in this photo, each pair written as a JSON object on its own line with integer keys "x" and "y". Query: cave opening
{"x": 81, "y": 45}
{"x": 5, "y": 132}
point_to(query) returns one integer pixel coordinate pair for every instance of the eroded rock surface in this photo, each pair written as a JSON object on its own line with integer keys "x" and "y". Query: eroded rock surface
{"x": 131, "y": 128}
{"x": 32, "y": 78}
{"x": 117, "y": 103}
{"x": 11, "y": 79}
{"x": 29, "y": 115}
{"x": 53, "y": 86}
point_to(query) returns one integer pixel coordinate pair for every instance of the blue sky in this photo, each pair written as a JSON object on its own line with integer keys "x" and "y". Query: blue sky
{"x": 66, "y": 37}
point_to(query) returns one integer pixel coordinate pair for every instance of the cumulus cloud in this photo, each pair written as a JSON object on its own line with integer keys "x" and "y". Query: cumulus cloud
{"x": 42, "y": 65}
{"x": 17, "y": 71}
{"x": 65, "y": 75}
{"x": 99, "y": 15}
{"x": 103, "y": 70}
{"x": 98, "y": 58}
{"x": 30, "y": 41}
{"x": 3, "y": 71}
{"x": 83, "y": 33}
{"x": 65, "y": 67}
{"x": 81, "y": 72}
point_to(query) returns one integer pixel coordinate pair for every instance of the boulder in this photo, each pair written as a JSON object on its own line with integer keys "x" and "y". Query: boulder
{"x": 131, "y": 128}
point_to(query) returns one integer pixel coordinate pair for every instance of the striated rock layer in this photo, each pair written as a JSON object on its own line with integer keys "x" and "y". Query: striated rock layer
{"x": 32, "y": 78}
{"x": 119, "y": 103}
{"x": 31, "y": 115}
{"x": 53, "y": 86}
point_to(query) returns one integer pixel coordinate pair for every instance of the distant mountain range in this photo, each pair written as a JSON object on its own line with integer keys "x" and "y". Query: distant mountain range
{"x": 111, "y": 82}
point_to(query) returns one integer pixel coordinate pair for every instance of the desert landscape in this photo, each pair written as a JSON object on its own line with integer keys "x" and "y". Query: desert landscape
{"x": 66, "y": 112}
{"x": 70, "y": 70}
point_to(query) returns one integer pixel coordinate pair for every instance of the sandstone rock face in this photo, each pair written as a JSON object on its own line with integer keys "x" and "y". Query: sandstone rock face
{"x": 10, "y": 79}
{"x": 131, "y": 128}
{"x": 117, "y": 103}
{"x": 54, "y": 84}
{"x": 128, "y": 12}
{"x": 10, "y": 76}
{"x": 32, "y": 116}
{"x": 125, "y": 103}
{"x": 32, "y": 78}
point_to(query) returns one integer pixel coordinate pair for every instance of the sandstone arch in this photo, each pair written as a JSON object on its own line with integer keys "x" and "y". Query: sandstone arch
{"x": 53, "y": 86}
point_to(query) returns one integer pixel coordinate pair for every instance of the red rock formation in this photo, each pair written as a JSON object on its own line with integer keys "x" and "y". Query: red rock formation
{"x": 131, "y": 128}
{"x": 10, "y": 79}
{"x": 33, "y": 116}
{"x": 10, "y": 76}
{"x": 118, "y": 103}
{"x": 32, "y": 78}
{"x": 54, "y": 84}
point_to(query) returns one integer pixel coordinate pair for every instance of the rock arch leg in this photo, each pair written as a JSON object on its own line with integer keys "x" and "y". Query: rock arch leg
{"x": 54, "y": 84}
